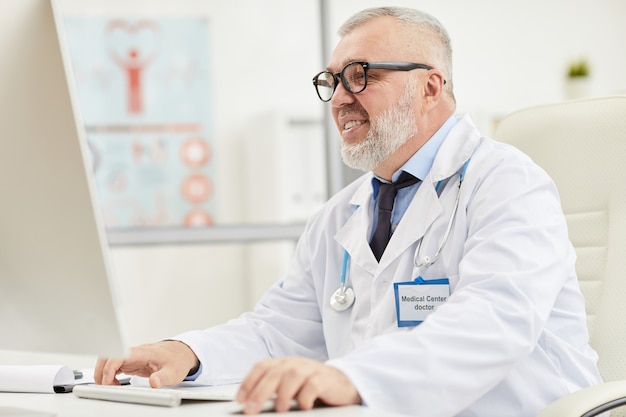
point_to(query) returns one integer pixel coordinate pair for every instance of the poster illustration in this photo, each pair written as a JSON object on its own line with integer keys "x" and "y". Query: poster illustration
{"x": 144, "y": 95}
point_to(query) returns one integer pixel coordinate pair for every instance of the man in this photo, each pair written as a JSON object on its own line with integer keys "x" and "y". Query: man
{"x": 471, "y": 308}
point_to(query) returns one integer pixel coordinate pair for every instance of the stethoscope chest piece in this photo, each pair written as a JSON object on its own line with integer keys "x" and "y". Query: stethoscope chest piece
{"x": 342, "y": 299}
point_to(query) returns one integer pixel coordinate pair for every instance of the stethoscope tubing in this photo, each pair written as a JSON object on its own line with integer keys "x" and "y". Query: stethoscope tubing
{"x": 426, "y": 261}
{"x": 344, "y": 268}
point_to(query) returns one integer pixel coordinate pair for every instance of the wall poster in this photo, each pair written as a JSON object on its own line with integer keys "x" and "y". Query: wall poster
{"x": 144, "y": 94}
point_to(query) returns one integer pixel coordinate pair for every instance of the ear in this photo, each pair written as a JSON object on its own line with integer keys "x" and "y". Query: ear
{"x": 433, "y": 88}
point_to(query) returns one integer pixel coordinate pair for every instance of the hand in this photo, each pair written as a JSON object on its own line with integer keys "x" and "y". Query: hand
{"x": 165, "y": 363}
{"x": 305, "y": 380}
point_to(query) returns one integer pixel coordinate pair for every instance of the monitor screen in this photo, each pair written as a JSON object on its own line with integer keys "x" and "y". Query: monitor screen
{"x": 56, "y": 292}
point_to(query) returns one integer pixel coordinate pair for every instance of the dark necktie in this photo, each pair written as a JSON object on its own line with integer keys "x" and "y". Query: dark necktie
{"x": 386, "y": 196}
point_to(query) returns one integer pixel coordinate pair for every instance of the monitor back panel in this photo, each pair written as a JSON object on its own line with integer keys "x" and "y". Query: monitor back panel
{"x": 55, "y": 293}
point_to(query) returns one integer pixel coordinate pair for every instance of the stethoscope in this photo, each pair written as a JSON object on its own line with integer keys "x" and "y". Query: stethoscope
{"x": 343, "y": 298}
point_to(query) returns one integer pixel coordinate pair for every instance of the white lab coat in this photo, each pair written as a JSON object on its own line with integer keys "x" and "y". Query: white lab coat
{"x": 512, "y": 337}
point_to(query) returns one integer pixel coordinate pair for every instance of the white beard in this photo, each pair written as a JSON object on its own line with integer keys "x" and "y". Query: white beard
{"x": 387, "y": 133}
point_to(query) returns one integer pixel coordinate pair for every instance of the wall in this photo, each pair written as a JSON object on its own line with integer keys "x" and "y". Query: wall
{"x": 508, "y": 55}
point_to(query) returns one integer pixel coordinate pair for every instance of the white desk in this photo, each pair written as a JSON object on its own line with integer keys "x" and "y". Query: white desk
{"x": 68, "y": 405}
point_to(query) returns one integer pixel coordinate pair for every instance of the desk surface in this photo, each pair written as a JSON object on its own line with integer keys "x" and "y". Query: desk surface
{"x": 68, "y": 405}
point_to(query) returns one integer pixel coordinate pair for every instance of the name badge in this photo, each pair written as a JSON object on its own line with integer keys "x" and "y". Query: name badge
{"x": 416, "y": 299}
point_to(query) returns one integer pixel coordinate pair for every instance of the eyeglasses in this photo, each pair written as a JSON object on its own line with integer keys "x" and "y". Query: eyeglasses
{"x": 354, "y": 76}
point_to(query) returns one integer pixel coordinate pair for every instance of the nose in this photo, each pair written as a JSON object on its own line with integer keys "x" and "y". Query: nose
{"x": 341, "y": 96}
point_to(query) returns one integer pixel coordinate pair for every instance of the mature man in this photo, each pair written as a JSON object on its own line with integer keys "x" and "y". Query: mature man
{"x": 442, "y": 283}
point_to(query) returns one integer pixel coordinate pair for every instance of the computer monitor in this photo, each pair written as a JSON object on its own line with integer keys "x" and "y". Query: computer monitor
{"x": 56, "y": 292}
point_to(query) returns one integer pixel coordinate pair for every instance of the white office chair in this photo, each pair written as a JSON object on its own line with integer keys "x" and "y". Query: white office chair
{"x": 582, "y": 145}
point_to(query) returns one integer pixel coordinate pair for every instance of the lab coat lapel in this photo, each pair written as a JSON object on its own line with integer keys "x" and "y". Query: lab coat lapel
{"x": 425, "y": 206}
{"x": 354, "y": 235}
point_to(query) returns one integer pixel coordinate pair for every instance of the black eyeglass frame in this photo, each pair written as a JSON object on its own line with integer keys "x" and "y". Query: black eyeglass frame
{"x": 391, "y": 65}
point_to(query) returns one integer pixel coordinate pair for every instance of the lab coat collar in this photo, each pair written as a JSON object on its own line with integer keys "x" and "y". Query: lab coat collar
{"x": 422, "y": 211}
{"x": 455, "y": 150}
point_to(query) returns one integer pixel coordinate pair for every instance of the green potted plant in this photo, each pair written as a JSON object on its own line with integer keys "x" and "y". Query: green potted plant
{"x": 578, "y": 68}
{"x": 577, "y": 82}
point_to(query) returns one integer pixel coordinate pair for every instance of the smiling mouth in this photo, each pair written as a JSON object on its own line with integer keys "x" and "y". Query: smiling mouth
{"x": 353, "y": 123}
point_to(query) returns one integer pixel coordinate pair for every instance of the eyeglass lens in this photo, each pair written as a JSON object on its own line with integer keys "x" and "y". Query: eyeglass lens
{"x": 325, "y": 85}
{"x": 353, "y": 77}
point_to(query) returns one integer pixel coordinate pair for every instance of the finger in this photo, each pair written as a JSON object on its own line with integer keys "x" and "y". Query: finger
{"x": 264, "y": 389}
{"x": 289, "y": 385}
{"x": 110, "y": 369}
{"x": 167, "y": 375}
{"x": 97, "y": 372}
{"x": 308, "y": 393}
{"x": 261, "y": 393}
{"x": 251, "y": 380}
{"x": 331, "y": 386}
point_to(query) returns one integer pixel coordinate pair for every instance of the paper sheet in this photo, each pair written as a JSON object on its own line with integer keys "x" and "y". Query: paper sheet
{"x": 34, "y": 378}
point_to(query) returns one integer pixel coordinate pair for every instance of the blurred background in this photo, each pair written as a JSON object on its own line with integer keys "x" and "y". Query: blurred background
{"x": 210, "y": 147}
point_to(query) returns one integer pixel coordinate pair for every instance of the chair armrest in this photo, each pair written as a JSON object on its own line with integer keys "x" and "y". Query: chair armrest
{"x": 588, "y": 402}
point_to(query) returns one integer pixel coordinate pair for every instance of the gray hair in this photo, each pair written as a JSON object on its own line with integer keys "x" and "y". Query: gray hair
{"x": 440, "y": 45}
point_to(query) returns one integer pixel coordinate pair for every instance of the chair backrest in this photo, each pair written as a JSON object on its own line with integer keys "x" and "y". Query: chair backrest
{"x": 582, "y": 146}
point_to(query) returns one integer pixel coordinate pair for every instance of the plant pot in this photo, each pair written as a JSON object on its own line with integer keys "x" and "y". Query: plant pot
{"x": 577, "y": 87}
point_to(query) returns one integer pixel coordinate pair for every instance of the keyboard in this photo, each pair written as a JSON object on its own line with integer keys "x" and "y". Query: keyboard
{"x": 167, "y": 397}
